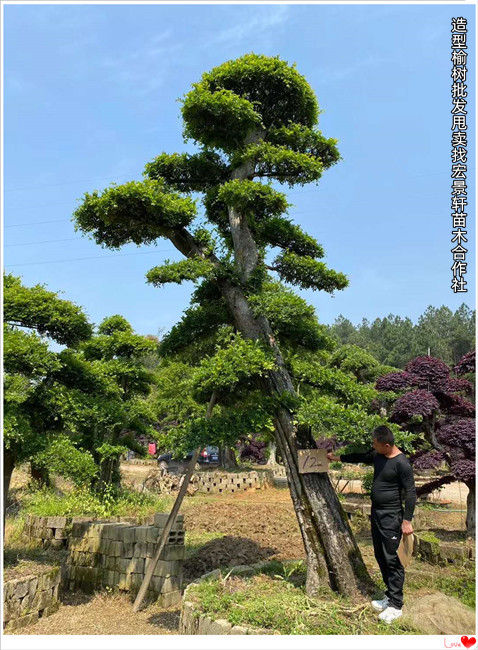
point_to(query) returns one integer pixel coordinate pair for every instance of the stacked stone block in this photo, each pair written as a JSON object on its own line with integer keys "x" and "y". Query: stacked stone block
{"x": 25, "y": 600}
{"x": 219, "y": 483}
{"x": 52, "y": 532}
{"x": 117, "y": 555}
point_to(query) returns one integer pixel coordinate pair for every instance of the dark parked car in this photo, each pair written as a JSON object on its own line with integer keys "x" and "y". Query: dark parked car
{"x": 207, "y": 455}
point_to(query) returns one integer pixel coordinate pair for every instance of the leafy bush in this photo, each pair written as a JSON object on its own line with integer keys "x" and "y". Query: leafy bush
{"x": 63, "y": 458}
{"x": 367, "y": 482}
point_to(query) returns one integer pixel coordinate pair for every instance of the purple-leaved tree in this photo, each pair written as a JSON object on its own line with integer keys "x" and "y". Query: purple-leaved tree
{"x": 437, "y": 405}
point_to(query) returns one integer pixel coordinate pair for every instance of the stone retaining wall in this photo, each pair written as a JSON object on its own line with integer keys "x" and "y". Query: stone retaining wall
{"x": 53, "y": 532}
{"x": 228, "y": 482}
{"x": 443, "y": 553}
{"x": 117, "y": 555}
{"x": 25, "y": 600}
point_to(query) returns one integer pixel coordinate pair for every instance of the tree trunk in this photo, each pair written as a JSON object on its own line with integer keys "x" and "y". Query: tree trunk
{"x": 471, "y": 509}
{"x": 332, "y": 553}
{"x": 329, "y": 543}
{"x": 272, "y": 460}
{"x": 40, "y": 475}
{"x": 8, "y": 467}
{"x": 227, "y": 458}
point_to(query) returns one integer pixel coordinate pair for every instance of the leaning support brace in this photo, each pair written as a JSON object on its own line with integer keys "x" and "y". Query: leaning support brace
{"x": 171, "y": 519}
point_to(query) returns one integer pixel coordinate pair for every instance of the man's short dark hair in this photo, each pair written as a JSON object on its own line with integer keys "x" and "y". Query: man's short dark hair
{"x": 384, "y": 435}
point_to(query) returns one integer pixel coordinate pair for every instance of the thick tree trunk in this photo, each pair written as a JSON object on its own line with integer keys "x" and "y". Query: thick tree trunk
{"x": 471, "y": 509}
{"x": 227, "y": 458}
{"x": 8, "y": 467}
{"x": 332, "y": 553}
{"x": 272, "y": 460}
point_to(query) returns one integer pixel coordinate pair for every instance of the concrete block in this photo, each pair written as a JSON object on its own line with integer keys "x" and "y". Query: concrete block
{"x": 124, "y": 582}
{"x": 141, "y": 533}
{"x": 56, "y": 522}
{"x": 135, "y": 565}
{"x": 111, "y": 562}
{"x": 160, "y": 520}
{"x": 173, "y": 553}
{"x": 152, "y": 534}
{"x": 140, "y": 549}
{"x": 60, "y": 533}
{"x": 166, "y": 568}
{"x": 117, "y": 548}
{"x": 136, "y": 581}
{"x": 110, "y": 578}
{"x": 170, "y": 599}
{"x": 128, "y": 549}
{"x": 111, "y": 531}
{"x": 129, "y": 535}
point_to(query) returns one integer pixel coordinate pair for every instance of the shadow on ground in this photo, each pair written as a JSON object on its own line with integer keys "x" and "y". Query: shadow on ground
{"x": 223, "y": 552}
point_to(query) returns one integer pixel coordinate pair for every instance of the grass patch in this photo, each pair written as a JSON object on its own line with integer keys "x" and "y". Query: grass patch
{"x": 22, "y": 558}
{"x": 272, "y": 601}
{"x": 48, "y": 502}
{"x": 452, "y": 581}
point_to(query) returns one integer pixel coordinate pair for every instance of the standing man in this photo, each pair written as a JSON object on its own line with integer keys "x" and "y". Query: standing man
{"x": 392, "y": 474}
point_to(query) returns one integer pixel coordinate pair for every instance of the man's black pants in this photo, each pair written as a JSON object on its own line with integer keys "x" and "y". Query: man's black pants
{"x": 386, "y": 535}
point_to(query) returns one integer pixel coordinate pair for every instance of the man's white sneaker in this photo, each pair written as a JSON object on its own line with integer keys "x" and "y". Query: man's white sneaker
{"x": 390, "y": 614}
{"x": 380, "y": 605}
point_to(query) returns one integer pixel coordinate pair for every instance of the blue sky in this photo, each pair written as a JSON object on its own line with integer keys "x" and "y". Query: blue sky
{"x": 91, "y": 96}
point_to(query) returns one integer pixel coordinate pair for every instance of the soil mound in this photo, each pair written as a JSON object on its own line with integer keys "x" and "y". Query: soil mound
{"x": 441, "y": 614}
{"x": 224, "y": 552}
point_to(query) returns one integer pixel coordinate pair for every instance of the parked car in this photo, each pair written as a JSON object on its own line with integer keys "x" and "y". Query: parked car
{"x": 207, "y": 455}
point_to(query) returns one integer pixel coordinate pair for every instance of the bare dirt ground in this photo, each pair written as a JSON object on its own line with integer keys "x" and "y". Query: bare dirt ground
{"x": 221, "y": 530}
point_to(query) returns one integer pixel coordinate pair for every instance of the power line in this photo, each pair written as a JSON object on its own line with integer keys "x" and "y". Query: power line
{"x": 97, "y": 257}
{"x": 37, "y": 223}
{"x": 48, "y": 241}
{"x": 91, "y": 180}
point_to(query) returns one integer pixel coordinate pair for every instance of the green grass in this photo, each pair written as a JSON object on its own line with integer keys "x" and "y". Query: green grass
{"x": 81, "y": 502}
{"x": 452, "y": 581}
{"x": 272, "y": 601}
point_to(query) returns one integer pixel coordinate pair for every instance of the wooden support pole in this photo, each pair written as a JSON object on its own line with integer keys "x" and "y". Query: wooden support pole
{"x": 171, "y": 519}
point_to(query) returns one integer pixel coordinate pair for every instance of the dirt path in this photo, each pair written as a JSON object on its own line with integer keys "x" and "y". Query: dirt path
{"x": 104, "y": 614}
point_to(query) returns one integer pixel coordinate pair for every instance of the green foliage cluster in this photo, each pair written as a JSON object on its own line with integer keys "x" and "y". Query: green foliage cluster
{"x": 278, "y": 92}
{"x": 219, "y": 119}
{"x": 135, "y": 212}
{"x": 43, "y": 311}
{"x": 280, "y": 163}
{"x": 63, "y": 458}
{"x": 179, "y": 272}
{"x": 237, "y": 360}
{"x": 308, "y": 273}
{"x": 188, "y": 172}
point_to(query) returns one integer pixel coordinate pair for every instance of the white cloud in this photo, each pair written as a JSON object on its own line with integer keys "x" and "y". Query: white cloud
{"x": 262, "y": 21}
{"x": 145, "y": 68}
